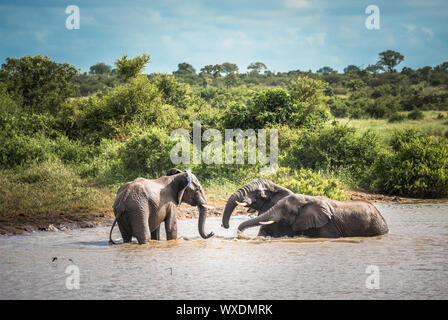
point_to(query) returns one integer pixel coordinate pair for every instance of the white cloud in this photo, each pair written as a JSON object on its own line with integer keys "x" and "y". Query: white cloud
{"x": 428, "y": 32}
{"x": 297, "y": 4}
{"x": 317, "y": 39}
{"x": 409, "y": 27}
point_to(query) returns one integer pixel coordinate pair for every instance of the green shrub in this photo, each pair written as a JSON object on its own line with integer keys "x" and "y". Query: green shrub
{"x": 416, "y": 115}
{"x": 417, "y": 166}
{"x": 396, "y": 117}
{"x": 331, "y": 148}
{"x": 305, "y": 181}
{"x": 147, "y": 153}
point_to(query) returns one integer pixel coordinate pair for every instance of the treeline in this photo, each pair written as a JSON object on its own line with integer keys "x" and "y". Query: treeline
{"x": 56, "y": 141}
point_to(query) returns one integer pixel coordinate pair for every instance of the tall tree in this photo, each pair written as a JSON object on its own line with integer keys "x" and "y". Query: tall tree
{"x": 373, "y": 68}
{"x": 256, "y": 67}
{"x": 39, "y": 83}
{"x": 325, "y": 70}
{"x": 351, "y": 68}
{"x": 229, "y": 68}
{"x": 184, "y": 68}
{"x": 100, "y": 68}
{"x": 389, "y": 59}
{"x": 208, "y": 69}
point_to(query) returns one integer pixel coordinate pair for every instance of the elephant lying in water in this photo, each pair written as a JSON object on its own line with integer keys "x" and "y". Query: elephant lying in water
{"x": 323, "y": 218}
{"x": 141, "y": 205}
{"x": 259, "y": 195}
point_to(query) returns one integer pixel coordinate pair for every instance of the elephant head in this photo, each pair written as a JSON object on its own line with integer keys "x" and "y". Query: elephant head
{"x": 297, "y": 212}
{"x": 189, "y": 190}
{"x": 259, "y": 195}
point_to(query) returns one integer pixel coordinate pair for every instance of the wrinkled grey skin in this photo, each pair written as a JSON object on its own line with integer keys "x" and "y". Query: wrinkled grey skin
{"x": 141, "y": 205}
{"x": 320, "y": 217}
{"x": 260, "y": 195}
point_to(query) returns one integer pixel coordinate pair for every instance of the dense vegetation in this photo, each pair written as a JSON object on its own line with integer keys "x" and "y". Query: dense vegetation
{"x": 67, "y": 140}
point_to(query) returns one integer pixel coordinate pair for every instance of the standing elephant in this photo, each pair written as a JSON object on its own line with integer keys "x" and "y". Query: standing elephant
{"x": 323, "y": 218}
{"x": 259, "y": 195}
{"x": 141, "y": 205}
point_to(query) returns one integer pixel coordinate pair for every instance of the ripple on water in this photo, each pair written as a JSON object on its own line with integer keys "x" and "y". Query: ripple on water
{"x": 412, "y": 261}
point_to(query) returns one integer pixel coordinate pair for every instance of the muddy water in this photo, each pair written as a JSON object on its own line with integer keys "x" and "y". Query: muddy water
{"x": 412, "y": 261}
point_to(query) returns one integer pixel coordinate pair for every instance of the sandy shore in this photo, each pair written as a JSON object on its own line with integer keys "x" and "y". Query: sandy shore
{"x": 25, "y": 224}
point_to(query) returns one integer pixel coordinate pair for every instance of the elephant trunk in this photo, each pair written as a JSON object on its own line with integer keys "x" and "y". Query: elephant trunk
{"x": 201, "y": 223}
{"x": 230, "y": 206}
{"x": 271, "y": 216}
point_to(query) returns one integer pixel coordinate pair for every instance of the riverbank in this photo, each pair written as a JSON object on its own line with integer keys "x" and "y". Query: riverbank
{"x": 24, "y": 224}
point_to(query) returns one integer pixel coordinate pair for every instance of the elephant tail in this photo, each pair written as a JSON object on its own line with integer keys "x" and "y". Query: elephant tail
{"x": 118, "y": 210}
{"x": 110, "y": 234}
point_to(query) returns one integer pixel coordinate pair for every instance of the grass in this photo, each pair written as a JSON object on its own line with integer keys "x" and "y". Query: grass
{"x": 49, "y": 188}
{"x": 432, "y": 124}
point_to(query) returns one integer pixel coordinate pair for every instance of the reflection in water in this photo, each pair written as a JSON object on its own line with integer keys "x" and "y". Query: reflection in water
{"x": 412, "y": 261}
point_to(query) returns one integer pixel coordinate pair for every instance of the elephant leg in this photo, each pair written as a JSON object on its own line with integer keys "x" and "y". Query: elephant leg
{"x": 140, "y": 225}
{"x": 125, "y": 229}
{"x": 171, "y": 223}
{"x": 155, "y": 235}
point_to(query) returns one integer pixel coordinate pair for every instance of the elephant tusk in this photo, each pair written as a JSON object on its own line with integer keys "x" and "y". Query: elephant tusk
{"x": 241, "y": 203}
{"x": 206, "y": 206}
{"x": 267, "y": 222}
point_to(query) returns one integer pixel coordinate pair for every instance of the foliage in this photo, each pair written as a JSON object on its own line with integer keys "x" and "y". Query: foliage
{"x": 37, "y": 83}
{"x": 48, "y": 188}
{"x": 147, "y": 153}
{"x": 416, "y": 166}
{"x": 332, "y": 148}
{"x": 313, "y": 183}
{"x": 131, "y": 68}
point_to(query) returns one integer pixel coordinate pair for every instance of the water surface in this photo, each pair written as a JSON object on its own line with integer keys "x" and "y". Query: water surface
{"x": 412, "y": 261}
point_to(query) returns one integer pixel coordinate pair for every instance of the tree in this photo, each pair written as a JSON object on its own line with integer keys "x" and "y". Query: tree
{"x": 40, "y": 84}
{"x": 373, "y": 68}
{"x": 229, "y": 68}
{"x": 208, "y": 69}
{"x": 184, "y": 69}
{"x": 217, "y": 69}
{"x": 100, "y": 68}
{"x": 231, "y": 80}
{"x": 130, "y": 68}
{"x": 325, "y": 70}
{"x": 389, "y": 59}
{"x": 351, "y": 68}
{"x": 442, "y": 67}
{"x": 256, "y": 67}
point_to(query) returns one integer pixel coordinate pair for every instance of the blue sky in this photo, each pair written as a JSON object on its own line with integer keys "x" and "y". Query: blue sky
{"x": 284, "y": 34}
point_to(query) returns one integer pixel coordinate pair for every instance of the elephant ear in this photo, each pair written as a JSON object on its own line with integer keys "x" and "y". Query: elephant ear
{"x": 183, "y": 185}
{"x": 314, "y": 214}
{"x": 173, "y": 171}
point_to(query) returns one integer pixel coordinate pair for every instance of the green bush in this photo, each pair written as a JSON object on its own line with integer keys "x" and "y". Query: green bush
{"x": 416, "y": 166}
{"x": 331, "y": 148}
{"x": 114, "y": 113}
{"x": 147, "y": 153}
{"x": 396, "y": 117}
{"x": 416, "y": 115}
{"x": 305, "y": 181}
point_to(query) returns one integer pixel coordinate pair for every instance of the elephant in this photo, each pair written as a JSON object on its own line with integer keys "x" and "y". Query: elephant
{"x": 259, "y": 195}
{"x": 320, "y": 217}
{"x": 141, "y": 205}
